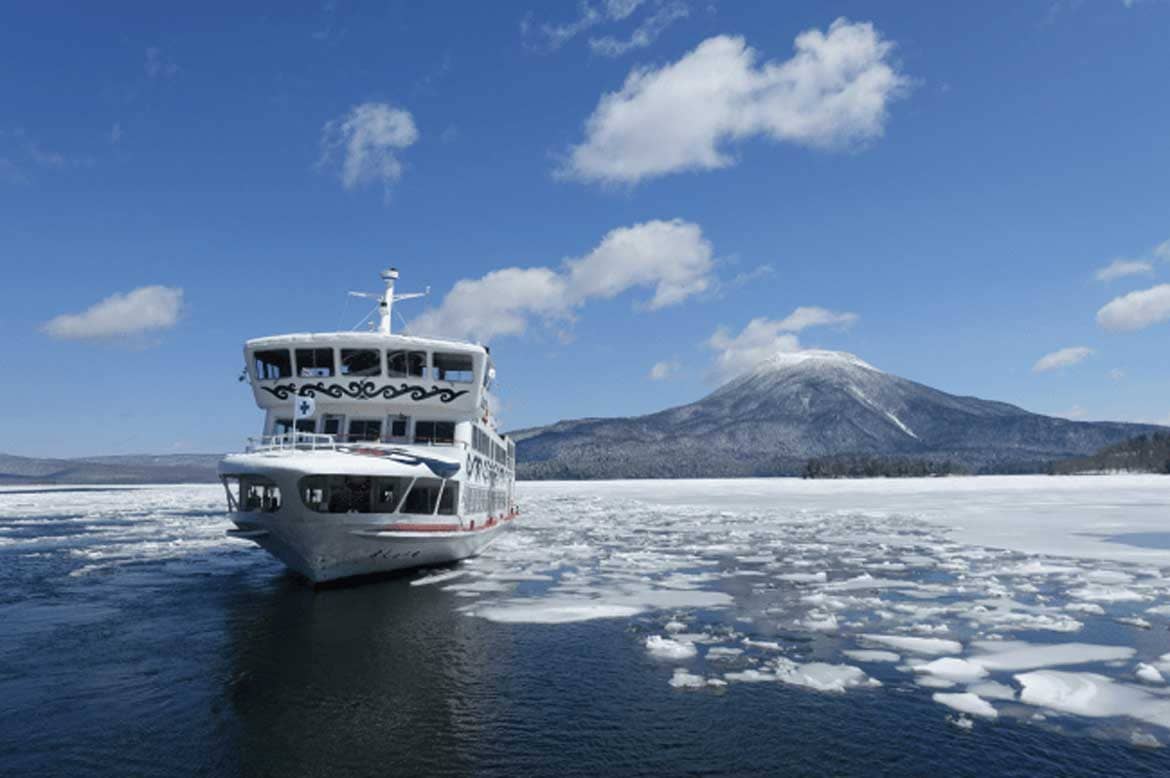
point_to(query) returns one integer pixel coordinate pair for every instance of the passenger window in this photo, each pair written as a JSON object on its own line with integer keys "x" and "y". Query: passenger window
{"x": 282, "y": 426}
{"x": 406, "y": 364}
{"x": 260, "y": 495}
{"x": 271, "y": 365}
{"x": 452, "y": 367}
{"x": 423, "y": 496}
{"x": 449, "y": 499}
{"x": 332, "y": 425}
{"x": 360, "y": 362}
{"x": 398, "y": 426}
{"x": 434, "y": 432}
{"x": 315, "y": 362}
{"x": 306, "y": 425}
{"x": 365, "y": 429}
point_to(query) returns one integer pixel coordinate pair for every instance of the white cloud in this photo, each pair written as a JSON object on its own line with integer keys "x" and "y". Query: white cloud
{"x": 116, "y": 132}
{"x": 833, "y": 92}
{"x": 764, "y": 337}
{"x": 672, "y": 257}
{"x": 1120, "y": 268}
{"x": 1075, "y": 412}
{"x": 1162, "y": 251}
{"x": 369, "y": 138}
{"x": 811, "y": 316}
{"x": 1062, "y": 358}
{"x": 1117, "y": 374}
{"x": 557, "y": 35}
{"x": 1136, "y": 310}
{"x": 663, "y": 370}
{"x": 136, "y": 312}
{"x": 644, "y": 34}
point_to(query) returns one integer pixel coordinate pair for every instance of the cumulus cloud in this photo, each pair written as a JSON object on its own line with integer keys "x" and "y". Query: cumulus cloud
{"x": 663, "y": 370}
{"x": 670, "y": 257}
{"x": 764, "y": 337}
{"x": 368, "y": 140}
{"x": 158, "y": 66}
{"x": 142, "y": 310}
{"x": 1062, "y": 358}
{"x": 1136, "y": 310}
{"x": 1120, "y": 268}
{"x": 834, "y": 91}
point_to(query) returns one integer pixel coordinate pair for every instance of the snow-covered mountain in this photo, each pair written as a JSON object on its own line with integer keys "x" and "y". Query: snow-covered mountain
{"x": 796, "y": 406}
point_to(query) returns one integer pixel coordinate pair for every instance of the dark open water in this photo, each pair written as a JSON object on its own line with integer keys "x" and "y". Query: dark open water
{"x": 212, "y": 661}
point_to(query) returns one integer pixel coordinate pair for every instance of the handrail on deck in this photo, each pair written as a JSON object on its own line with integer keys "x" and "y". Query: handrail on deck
{"x": 292, "y": 441}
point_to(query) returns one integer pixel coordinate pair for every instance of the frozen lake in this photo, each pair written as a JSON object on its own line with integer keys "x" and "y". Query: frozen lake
{"x": 902, "y": 626}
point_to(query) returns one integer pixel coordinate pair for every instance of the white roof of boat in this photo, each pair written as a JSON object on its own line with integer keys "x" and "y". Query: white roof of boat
{"x": 324, "y": 463}
{"x": 368, "y": 339}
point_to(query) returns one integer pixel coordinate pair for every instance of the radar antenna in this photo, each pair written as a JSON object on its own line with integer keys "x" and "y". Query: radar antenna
{"x": 387, "y": 299}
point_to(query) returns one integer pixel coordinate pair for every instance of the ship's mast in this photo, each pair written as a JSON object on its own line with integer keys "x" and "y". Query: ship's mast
{"x": 388, "y": 298}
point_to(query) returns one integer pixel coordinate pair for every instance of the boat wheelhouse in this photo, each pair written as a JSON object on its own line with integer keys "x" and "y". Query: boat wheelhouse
{"x": 379, "y": 451}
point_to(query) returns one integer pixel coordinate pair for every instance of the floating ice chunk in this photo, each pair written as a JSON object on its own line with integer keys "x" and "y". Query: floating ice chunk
{"x": 867, "y": 581}
{"x": 770, "y": 645}
{"x": 435, "y": 578}
{"x": 1133, "y": 621}
{"x": 993, "y": 690}
{"x": 869, "y": 655}
{"x": 686, "y": 680}
{"x": 1095, "y": 593}
{"x": 1085, "y": 607}
{"x": 665, "y": 648}
{"x": 818, "y": 621}
{"x": 1159, "y": 610}
{"x": 1144, "y": 740}
{"x": 750, "y": 675}
{"x": 723, "y": 652}
{"x": 1090, "y": 694}
{"x": 552, "y": 611}
{"x": 928, "y": 646}
{"x": 822, "y": 676}
{"x": 1109, "y": 577}
{"x": 962, "y": 722}
{"x": 966, "y": 702}
{"x": 674, "y": 626}
{"x": 931, "y": 682}
{"x": 1017, "y": 655}
{"x": 803, "y": 577}
{"x": 1148, "y": 673}
{"x": 953, "y": 669}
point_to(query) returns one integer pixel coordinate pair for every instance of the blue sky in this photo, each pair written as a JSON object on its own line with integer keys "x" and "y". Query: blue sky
{"x": 934, "y": 187}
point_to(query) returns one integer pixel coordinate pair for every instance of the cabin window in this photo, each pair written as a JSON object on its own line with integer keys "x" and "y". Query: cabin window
{"x": 360, "y": 362}
{"x": 404, "y": 364}
{"x": 423, "y": 496}
{"x": 449, "y": 499}
{"x": 282, "y": 426}
{"x": 452, "y": 367}
{"x": 332, "y": 425}
{"x": 259, "y": 494}
{"x": 315, "y": 362}
{"x": 434, "y": 432}
{"x": 352, "y": 494}
{"x": 397, "y": 426}
{"x": 365, "y": 429}
{"x": 306, "y": 425}
{"x": 271, "y": 365}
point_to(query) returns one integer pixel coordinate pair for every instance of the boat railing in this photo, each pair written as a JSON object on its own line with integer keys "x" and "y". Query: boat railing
{"x": 292, "y": 441}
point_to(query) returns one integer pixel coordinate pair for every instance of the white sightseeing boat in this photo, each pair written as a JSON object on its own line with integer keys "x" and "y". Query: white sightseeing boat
{"x": 379, "y": 451}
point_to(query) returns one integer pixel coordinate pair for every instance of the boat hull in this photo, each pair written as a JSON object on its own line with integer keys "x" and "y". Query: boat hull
{"x": 331, "y": 548}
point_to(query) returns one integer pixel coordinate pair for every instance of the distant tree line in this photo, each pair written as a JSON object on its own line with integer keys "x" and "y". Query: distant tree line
{"x": 1143, "y": 454}
{"x": 862, "y": 466}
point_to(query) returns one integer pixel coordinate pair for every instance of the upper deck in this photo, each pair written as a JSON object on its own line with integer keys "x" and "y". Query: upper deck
{"x": 374, "y": 371}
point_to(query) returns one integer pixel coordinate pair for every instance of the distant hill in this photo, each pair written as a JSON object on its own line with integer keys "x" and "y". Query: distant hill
{"x": 811, "y": 405}
{"x": 1143, "y": 454}
{"x": 122, "y": 469}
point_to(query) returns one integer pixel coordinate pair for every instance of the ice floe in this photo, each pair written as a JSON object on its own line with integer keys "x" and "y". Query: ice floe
{"x": 966, "y": 702}
{"x": 915, "y": 645}
{"x": 665, "y": 648}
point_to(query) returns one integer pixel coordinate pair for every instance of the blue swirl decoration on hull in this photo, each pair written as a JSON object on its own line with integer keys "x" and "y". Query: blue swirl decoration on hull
{"x": 364, "y": 390}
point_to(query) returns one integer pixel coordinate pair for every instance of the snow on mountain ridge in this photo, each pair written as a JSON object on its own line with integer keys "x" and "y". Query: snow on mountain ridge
{"x": 787, "y": 360}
